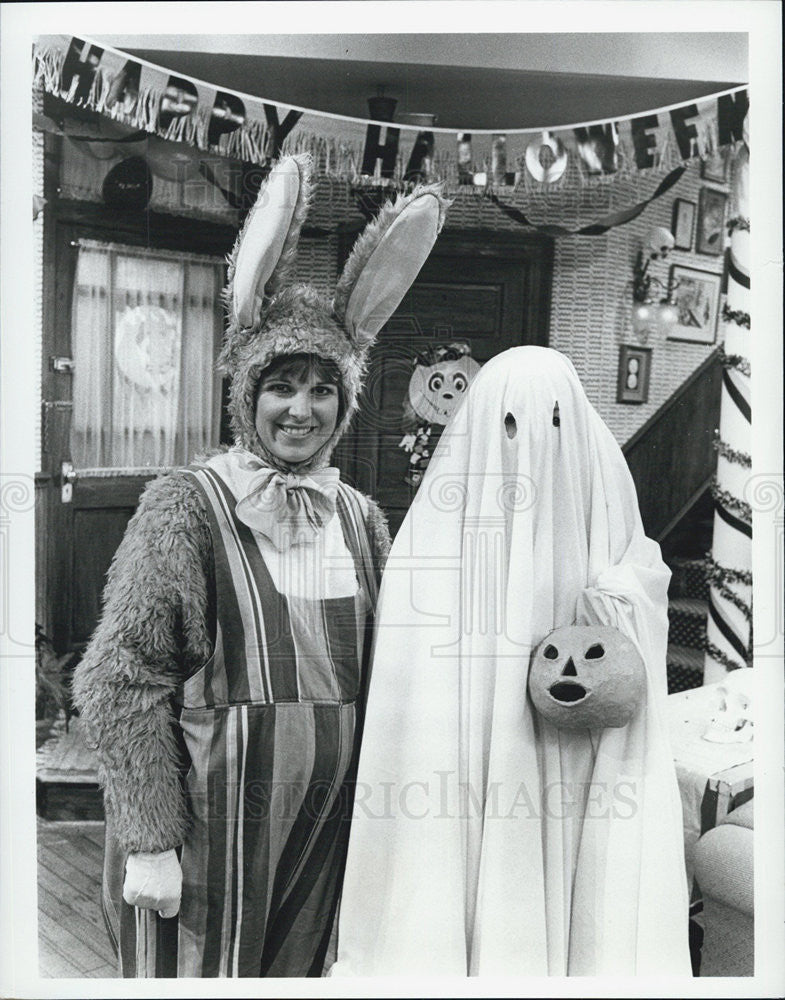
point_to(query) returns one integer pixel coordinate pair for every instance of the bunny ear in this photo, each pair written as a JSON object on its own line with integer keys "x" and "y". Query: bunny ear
{"x": 385, "y": 260}
{"x": 263, "y": 256}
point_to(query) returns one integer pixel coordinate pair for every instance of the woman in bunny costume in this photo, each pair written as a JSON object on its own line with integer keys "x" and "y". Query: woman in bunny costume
{"x": 486, "y": 841}
{"x": 224, "y": 684}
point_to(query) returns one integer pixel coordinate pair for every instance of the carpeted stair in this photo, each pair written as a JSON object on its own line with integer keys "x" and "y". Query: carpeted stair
{"x": 688, "y": 597}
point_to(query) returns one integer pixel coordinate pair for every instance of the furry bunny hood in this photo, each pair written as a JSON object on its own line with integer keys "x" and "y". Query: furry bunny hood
{"x": 270, "y": 316}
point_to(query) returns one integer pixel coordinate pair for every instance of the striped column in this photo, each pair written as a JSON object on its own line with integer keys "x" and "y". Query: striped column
{"x": 729, "y": 566}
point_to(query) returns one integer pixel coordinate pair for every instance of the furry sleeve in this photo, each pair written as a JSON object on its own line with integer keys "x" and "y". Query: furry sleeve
{"x": 154, "y": 630}
{"x": 379, "y": 534}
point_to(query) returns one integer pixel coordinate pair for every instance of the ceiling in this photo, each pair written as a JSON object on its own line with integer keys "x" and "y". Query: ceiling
{"x": 469, "y": 81}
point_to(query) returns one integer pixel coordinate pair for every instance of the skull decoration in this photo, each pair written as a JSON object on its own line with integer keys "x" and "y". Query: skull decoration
{"x": 659, "y": 242}
{"x": 732, "y": 720}
{"x": 587, "y": 677}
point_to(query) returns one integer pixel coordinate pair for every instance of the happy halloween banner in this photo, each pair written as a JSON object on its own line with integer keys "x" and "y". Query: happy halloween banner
{"x": 256, "y": 130}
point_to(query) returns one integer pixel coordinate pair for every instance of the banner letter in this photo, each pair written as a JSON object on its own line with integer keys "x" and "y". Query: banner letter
{"x": 731, "y": 111}
{"x": 125, "y": 84}
{"x": 643, "y": 140}
{"x": 228, "y": 114}
{"x": 499, "y": 172}
{"x": 597, "y": 147}
{"x": 374, "y": 150}
{"x": 178, "y": 101}
{"x": 82, "y": 63}
{"x": 421, "y": 159}
{"x": 465, "y": 175}
{"x": 558, "y": 159}
{"x": 279, "y": 130}
{"x": 685, "y": 131}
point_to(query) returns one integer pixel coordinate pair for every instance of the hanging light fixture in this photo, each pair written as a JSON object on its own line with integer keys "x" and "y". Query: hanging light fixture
{"x": 422, "y": 119}
{"x": 381, "y": 108}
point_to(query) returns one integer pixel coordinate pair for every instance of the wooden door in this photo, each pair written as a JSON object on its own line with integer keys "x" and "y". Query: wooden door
{"x": 489, "y": 289}
{"x": 85, "y": 511}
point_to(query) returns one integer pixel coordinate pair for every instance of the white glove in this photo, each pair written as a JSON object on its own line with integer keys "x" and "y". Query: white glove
{"x": 154, "y": 882}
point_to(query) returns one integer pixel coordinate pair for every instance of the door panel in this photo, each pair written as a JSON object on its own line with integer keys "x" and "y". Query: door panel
{"x": 84, "y": 529}
{"x": 490, "y": 290}
{"x": 468, "y": 308}
{"x": 97, "y": 533}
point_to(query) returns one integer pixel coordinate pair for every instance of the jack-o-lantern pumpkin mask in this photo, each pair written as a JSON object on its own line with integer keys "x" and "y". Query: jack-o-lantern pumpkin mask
{"x": 587, "y": 677}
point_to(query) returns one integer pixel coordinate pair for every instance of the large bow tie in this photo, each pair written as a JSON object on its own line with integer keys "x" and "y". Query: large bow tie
{"x": 287, "y": 508}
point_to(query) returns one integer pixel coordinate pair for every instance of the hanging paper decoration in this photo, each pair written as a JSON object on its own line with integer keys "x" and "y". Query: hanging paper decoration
{"x": 441, "y": 376}
{"x": 147, "y": 349}
{"x": 129, "y": 184}
{"x": 599, "y": 226}
{"x": 257, "y": 130}
{"x": 729, "y": 567}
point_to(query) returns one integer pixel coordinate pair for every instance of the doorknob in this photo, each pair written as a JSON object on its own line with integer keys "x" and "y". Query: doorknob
{"x": 68, "y": 477}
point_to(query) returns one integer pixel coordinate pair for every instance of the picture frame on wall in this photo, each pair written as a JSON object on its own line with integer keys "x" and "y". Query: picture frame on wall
{"x": 696, "y": 294}
{"x": 634, "y": 371}
{"x": 715, "y": 167}
{"x": 710, "y": 236}
{"x": 683, "y": 223}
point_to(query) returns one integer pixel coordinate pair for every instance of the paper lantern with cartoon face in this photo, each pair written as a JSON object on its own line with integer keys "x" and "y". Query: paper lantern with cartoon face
{"x": 435, "y": 390}
{"x": 442, "y": 373}
{"x": 587, "y": 677}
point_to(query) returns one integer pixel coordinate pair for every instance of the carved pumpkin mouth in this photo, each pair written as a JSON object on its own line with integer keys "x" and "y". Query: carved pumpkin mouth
{"x": 567, "y": 691}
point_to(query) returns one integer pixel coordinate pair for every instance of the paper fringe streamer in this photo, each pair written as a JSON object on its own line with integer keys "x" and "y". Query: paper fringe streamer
{"x": 253, "y": 141}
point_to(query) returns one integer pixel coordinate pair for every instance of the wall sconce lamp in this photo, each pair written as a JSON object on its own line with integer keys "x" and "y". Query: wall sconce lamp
{"x": 648, "y": 315}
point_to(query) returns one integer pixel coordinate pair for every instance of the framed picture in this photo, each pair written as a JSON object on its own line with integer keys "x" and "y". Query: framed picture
{"x": 715, "y": 167}
{"x": 683, "y": 224}
{"x": 711, "y": 222}
{"x": 634, "y": 368}
{"x": 697, "y": 297}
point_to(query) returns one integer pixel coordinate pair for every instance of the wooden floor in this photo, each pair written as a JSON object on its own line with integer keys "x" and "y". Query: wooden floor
{"x": 72, "y": 938}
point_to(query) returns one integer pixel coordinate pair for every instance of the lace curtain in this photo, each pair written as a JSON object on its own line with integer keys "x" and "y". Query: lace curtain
{"x": 145, "y": 332}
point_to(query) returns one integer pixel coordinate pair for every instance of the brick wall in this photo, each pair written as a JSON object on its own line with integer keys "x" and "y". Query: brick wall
{"x": 590, "y": 309}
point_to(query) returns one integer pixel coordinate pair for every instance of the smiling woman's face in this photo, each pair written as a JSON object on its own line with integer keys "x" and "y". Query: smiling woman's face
{"x": 296, "y": 413}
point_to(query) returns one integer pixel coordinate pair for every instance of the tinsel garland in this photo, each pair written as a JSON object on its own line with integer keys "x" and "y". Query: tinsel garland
{"x": 728, "y": 662}
{"x": 729, "y": 573}
{"x": 735, "y": 316}
{"x": 739, "y": 222}
{"x": 731, "y": 503}
{"x": 718, "y": 581}
{"x": 730, "y": 454}
{"x": 737, "y": 361}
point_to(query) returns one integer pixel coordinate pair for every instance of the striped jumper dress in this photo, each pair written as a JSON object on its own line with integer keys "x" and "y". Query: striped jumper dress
{"x": 270, "y": 732}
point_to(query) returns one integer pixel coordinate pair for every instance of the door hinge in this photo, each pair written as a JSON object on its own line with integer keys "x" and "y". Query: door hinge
{"x": 67, "y": 479}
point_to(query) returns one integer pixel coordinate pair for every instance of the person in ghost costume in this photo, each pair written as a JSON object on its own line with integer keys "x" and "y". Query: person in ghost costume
{"x": 485, "y": 841}
{"x": 224, "y": 685}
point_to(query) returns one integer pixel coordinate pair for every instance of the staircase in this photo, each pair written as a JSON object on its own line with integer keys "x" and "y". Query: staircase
{"x": 672, "y": 460}
{"x": 688, "y": 596}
